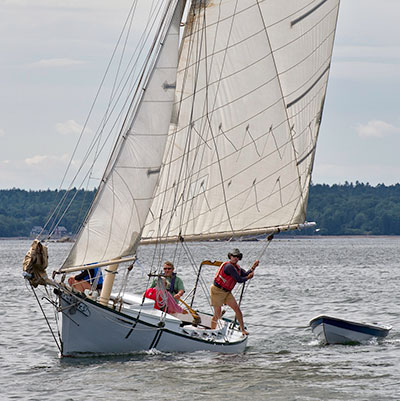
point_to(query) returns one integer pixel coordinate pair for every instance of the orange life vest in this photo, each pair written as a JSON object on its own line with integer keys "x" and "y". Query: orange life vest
{"x": 224, "y": 280}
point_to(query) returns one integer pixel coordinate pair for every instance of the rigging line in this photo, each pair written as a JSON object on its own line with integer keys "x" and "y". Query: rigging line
{"x": 205, "y": 121}
{"x": 207, "y": 56}
{"x": 276, "y": 127}
{"x": 266, "y": 177}
{"x": 153, "y": 56}
{"x": 113, "y": 89}
{"x": 209, "y": 118}
{"x": 283, "y": 103}
{"x": 266, "y": 197}
{"x": 110, "y": 183}
{"x": 153, "y": 15}
{"x": 100, "y": 87}
{"x": 246, "y": 284}
{"x": 187, "y": 180}
{"x": 175, "y": 8}
{"x": 45, "y": 317}
{"x": 283, "y": 46}
{"x": 202, "y": 282}
{"x": 147, "y": 68}
{"x": 89, "y": 114}
{"x": 112, "y": 94}
{"x": 132, "y": 214}
{"x": 201, "y": 138}
{"x": 87, "y": 176}
{"x": 254, "y": 116}
{"x": 176, "y": 199}
{"x": 56, "y": 319}
{"x": 201, "y": 40}
{"x": 56, "y": 223}
{"x": 267, "y": 82}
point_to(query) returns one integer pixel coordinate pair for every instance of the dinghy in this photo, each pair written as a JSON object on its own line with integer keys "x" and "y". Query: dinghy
{"x": 332, "y": 330}
{"x": 217, "y": 143}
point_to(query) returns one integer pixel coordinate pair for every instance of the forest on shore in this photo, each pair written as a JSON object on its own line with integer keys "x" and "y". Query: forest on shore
{"x": 24, "y": 213}
{"x": 342, "y": 209}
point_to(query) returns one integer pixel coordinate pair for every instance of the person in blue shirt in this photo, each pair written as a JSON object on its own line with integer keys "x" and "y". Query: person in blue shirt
{"x": 87, "y": 279}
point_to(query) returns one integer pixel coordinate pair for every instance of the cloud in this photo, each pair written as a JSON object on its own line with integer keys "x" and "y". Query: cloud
{"x": 56, "y": 63}
{"x": 36, "y": 160}
{"x": 69, "y": 127}
{"x": 376, "y": 129}
{"x": 2, "y": 132}
{"x": 45, "y": 160}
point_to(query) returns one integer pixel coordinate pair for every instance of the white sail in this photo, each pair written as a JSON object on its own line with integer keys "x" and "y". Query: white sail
{"x": 115, "y": 221}
{"x": 252, "y": 79}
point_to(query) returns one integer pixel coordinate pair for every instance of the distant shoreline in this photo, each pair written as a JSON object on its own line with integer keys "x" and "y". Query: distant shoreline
{"x": 277, "y": 237}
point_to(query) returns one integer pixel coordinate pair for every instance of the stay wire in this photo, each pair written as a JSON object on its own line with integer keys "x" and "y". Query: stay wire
{"x": 62, "y": 201}
{"x": 47, "y": 321}
{"x": 262, "y": 251}
{"x": 87, "y": 120}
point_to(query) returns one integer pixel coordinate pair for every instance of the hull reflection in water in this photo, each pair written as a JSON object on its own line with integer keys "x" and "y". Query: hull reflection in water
{"x": 331, "y": 330}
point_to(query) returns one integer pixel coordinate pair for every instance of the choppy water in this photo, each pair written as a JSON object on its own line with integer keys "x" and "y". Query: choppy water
{"x": 355, "y": 278}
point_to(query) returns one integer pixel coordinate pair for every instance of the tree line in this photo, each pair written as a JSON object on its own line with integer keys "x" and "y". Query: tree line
{"x": 348, "y": 209}
{"x": 355, "y": 209}
{"x": 21, "y": 211}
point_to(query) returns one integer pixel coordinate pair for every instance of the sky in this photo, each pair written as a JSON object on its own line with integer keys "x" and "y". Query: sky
{"x": 54, "y": 54}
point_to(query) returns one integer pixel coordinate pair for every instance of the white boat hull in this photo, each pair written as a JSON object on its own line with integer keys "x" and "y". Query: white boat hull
{"x": 331, "y": 330}
{"x": 90, "y": 328}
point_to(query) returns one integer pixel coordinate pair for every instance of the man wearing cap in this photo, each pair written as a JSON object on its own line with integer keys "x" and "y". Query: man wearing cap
{"x": 225, "y": 280}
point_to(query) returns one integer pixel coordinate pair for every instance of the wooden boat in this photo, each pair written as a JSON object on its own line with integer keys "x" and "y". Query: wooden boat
{"x": 332, "y": 330}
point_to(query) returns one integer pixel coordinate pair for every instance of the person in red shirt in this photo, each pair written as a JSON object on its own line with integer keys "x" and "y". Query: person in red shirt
{"x": 225, "y": 280}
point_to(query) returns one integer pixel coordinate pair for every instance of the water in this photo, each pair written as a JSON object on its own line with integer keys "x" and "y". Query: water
{"x": 355, "y": 278}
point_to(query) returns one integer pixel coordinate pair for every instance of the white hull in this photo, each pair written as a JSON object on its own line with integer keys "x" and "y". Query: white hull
{"x": 92, "y": 328}
{"x": 330, "y": 330}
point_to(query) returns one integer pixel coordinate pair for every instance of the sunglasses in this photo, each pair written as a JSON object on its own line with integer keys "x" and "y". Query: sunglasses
{"x": 237, "y": 256}
{"x": 167, "y": 268}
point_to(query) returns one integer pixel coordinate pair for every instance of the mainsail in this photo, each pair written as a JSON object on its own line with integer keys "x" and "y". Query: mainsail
{"x": 243, "y": 124}
{"x": 252, "y": 79}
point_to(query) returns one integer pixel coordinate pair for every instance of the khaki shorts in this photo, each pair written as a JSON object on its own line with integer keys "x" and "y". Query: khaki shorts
{"x": 219, "y": 296}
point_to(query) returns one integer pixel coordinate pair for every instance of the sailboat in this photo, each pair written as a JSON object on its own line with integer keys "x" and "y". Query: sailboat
{"x": 217, "y": 143}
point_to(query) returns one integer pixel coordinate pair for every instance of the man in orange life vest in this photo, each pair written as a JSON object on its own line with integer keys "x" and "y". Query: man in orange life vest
{"x": 225, "y": 280}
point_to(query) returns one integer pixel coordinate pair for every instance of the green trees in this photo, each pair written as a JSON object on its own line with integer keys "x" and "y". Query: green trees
{"x": 21, "y": 210}
{"x": 355, "y": 209}
{"x": 348, "y": 209}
